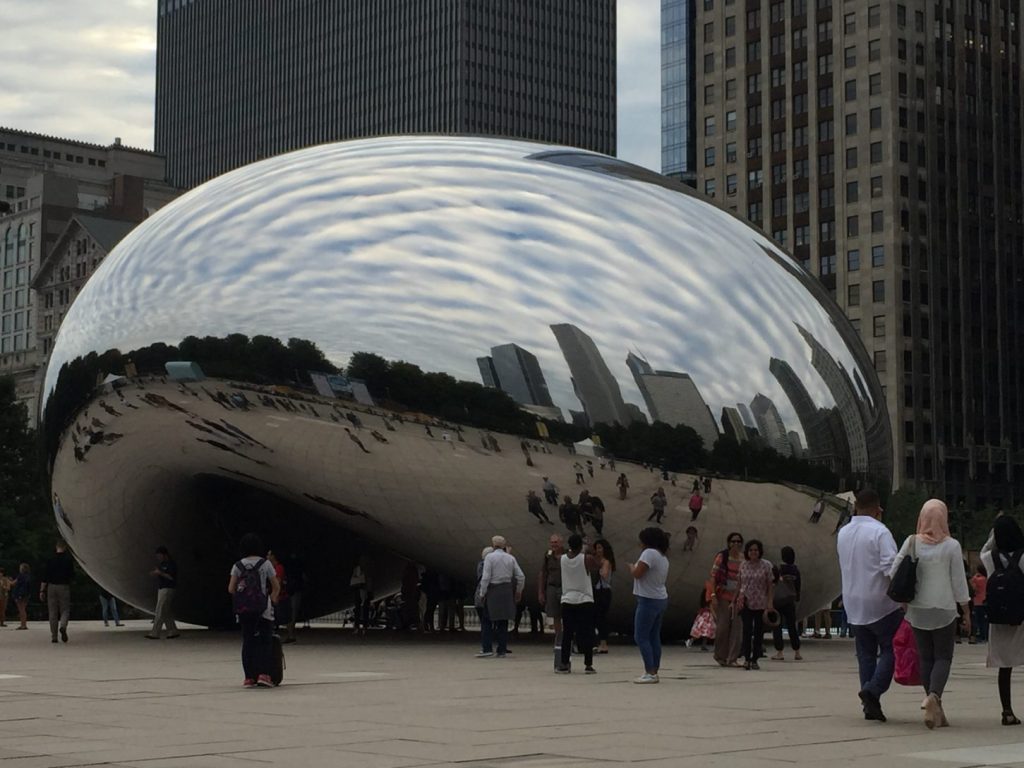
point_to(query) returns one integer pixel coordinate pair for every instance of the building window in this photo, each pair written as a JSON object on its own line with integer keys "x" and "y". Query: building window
{"x": 826, "y": 197}
{"x": 730, "y": 26}
{"x": 851, "y": 157}
{"x": 851, "y": 124}
{"x": 852, "y": 226}
{"x": 709, "y": 157}
{"x": 876, "y": 152}
{"x": 827, "y": 265}
{"x": 755, "y": 179}
{"x": 709, "y": 62}
{"x": 850, "y": 23}
{"x": 709, "y": 94}
{"x": 730, "y": 88}
{"x": 878, "y": 256}
{"x": 709, "y": 32}
{"x": 853, "y": 295}
{"x": 880, "y": 365}
{"x": 709, "y": 187}
{"x": 878, "y": 326}
{"x": 876, "y": 186}
{"x": 802, "y": 235}
{"x": 851, "y": 90}
{"x": 878, "y": 291}
{"x": 852, "y": 191}
{"x": 876, "y": 118}
{"x": 877, "y": 221}
{"x": 730, "y": 120}
{"x": 853, "y": 261}
{"x": 875, "y": 84}
{"x": 874, "y": 50}
{"x": 709, "y": 125}
{"x": 730, "y": 184}
{"x": 850, "y": 56}
{"x": 730, "y": 152}
{"x": 754, "y": 213}
{"x": 874, "y": 16}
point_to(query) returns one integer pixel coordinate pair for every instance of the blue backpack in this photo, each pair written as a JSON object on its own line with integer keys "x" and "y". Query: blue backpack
{"x": 250, "y": 597}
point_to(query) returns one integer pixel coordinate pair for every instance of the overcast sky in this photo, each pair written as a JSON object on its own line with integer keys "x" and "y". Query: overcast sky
{"x": 84, "y": 70}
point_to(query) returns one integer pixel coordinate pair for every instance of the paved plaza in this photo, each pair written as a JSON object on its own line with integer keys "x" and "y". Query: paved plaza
{"x": 110, "y": 697}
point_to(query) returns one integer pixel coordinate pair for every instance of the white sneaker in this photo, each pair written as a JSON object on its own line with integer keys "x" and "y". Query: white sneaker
{"x": 485, "y": 654}
{"x": 646, "y": 679}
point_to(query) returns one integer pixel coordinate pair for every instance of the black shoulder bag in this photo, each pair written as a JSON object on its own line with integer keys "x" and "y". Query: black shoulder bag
{"x": 904, "y": 581}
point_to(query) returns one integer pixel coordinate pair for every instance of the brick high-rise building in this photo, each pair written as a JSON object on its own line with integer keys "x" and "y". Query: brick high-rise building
{"x": 238, "y": 81}
{"x": 881, "y": 143}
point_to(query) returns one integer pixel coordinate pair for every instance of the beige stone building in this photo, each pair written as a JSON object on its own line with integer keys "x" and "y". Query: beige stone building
{"x": 881, "y": 144}
{"x": 44, "y": 182}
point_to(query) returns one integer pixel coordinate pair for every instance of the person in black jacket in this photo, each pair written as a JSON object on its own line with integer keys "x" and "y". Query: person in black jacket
{"x": 55, "y": 589}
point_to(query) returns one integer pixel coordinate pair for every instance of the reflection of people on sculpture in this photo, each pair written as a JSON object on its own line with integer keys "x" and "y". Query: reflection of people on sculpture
{"x": 707, "y": 485}
{"x": 658, "y": 504}
{"x": 569, "y": 514}
{"x": 578, "y": 469}
{"x": 696, "y": 485}
{"x": 696, "y": 505}
{"x": 691, "y": 539}
{"x": 550, "y": 491}
{"x": 623, "y": 484}
{"x": 356, "y": 440}
{"x": 818, "y": 509}
{"x": 591, "y": 511}
{"x": 590, "y": 468}
{"x": 536, "y": 509}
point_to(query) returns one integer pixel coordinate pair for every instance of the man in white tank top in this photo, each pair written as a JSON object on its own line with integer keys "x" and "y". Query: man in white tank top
{"x": 577, "y": 605}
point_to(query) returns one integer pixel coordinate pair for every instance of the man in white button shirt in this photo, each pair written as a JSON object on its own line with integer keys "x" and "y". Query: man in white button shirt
{"x": 866, "y": 552}
{"x": 501, "y": 586}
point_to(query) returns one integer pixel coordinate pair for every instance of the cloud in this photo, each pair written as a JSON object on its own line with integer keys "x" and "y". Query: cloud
{"x": 86, "y": 71}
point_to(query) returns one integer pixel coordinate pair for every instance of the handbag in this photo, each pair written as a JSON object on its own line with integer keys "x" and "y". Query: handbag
{"x": 908, "y": 668}
{"x": 903, "y": 585}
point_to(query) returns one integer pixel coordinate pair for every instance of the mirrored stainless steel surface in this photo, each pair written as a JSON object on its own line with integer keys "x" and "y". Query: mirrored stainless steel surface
{"x": 578, "y": 288}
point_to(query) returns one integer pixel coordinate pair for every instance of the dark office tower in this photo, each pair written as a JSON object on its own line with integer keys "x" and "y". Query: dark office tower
{"x": 593, "y": 382}
{"x": 488, "y": 374}
{"x": 678, "y": 121}
{"x": 882, "y": 143}
{"x": 518, "y": 373}
{"x": 239, "y": 80}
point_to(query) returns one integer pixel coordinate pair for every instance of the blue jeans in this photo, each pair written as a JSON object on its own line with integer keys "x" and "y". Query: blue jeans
{"x": 980, "y": 620}
{"x": 108, "y": 606}
{"x": 486, "y": 630}
{"x": 647, "y": 630}
{"x": 874, "y": 652}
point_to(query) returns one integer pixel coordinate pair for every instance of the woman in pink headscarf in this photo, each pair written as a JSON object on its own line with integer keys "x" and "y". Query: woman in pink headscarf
{"x": 941, "y": 585}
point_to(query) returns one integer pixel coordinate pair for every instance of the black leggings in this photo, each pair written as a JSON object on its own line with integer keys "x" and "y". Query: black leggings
{"x": 578, "y": 623}
{"x": 1004, "y": 688}
{"x": 935, "y": 651}
{"x": 753, "y": 634}
{"x": 787, "y": 618}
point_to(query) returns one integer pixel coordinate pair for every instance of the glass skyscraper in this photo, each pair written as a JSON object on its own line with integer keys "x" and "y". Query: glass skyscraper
{"x": 677, "y": 90}
{"x": 238, "y": 81}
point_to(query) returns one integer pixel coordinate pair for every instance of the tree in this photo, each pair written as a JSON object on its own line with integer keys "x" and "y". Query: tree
{"x": 27, "y": 527}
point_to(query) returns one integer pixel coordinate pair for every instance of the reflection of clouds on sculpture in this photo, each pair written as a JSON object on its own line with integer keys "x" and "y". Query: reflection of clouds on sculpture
{"x": 433, "y": 250}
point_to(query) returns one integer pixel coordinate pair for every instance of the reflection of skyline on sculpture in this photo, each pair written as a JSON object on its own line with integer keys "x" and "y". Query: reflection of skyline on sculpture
{"x": 555, "y": 230}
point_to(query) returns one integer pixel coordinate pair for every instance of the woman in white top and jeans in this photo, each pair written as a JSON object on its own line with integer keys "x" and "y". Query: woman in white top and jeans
{"x": 649, "y": 573}
{"x": 941, "y": 585}
{"x": 577, "y": 605}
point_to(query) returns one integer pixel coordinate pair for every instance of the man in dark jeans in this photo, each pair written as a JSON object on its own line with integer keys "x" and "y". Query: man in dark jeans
{"x": 55, "y": 589}
{"x": 866, "y": 553}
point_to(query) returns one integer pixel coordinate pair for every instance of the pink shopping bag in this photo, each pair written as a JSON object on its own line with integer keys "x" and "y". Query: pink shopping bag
{"x": 908, "y": 670}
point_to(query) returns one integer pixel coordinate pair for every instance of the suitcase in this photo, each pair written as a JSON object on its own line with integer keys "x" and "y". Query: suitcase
{"x": 277, "y": 663}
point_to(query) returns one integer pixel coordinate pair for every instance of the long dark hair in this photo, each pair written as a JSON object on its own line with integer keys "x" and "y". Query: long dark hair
{"x": 1008, "y": 535}
{"x": 609, "y": 553}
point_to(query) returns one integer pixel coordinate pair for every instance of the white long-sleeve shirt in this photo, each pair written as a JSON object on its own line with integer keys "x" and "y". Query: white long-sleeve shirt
{"x": 941, "y": 582}
{"x": 501, "y": 568}
{"x": 866, "y": 551}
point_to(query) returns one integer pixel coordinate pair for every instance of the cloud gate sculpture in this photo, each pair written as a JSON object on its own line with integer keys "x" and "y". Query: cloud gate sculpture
{"x": 378, "y": 348}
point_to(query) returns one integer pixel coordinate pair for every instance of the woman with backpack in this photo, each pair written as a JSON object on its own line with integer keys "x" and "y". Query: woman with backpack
{"x": 1002, "y": 559}
{"x": 940, "y": 587}
{"x": 254, "y": 589}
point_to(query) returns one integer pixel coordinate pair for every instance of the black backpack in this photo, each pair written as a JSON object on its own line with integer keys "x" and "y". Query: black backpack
{"x": 1004, "y": 595}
